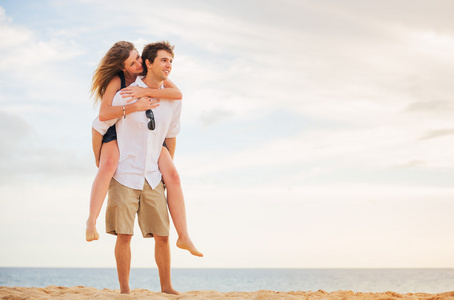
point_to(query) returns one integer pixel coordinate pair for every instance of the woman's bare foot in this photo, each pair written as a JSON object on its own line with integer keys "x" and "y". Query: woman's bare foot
{"x": 170, "y": 291}
{"x": 90, "y": 233}
{"x": 187, "y": 244}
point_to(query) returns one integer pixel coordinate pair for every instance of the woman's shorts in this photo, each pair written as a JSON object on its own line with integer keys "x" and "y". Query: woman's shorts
{"x": 111, "y": 135}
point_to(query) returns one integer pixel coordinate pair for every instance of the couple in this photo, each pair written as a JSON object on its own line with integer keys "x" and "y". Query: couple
{"x": 135, "y": 145}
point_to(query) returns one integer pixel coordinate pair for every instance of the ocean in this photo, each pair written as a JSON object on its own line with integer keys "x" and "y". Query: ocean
{"x": 245, "y": 280}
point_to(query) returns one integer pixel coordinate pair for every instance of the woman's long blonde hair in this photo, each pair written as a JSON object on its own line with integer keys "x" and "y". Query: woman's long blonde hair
{"x": 108, "y": 68}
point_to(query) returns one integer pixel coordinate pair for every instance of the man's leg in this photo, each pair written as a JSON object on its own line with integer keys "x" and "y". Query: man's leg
{"x": 123, "y": 258}
{"x": 162, "y": 256}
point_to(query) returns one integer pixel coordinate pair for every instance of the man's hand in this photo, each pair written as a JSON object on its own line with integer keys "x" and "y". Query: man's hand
{"x": 97, "y": 161}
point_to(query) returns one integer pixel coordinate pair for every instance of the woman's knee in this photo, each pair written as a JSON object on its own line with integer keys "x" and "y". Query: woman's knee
{"x": 109, "y": 164}
{"x": 109, "y": 157}
{"x": 172, "y": 178}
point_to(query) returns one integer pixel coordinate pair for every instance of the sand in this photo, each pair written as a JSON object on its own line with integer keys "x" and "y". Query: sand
{"x": 81, "y": 292}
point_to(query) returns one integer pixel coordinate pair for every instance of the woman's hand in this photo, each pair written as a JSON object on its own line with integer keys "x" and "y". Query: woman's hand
{"x": 146, "y": 103}
{"x": 133, "y": 91}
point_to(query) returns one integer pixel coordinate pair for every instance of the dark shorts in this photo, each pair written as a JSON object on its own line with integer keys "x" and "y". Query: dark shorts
{"x": 111, "y": 135}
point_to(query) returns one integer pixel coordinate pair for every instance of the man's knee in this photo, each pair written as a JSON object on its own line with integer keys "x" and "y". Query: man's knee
{"x": 161, "y": 239}
{"x": 124, "y": 238}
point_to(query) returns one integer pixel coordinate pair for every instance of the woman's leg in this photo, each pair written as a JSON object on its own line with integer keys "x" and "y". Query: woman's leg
{"x": 107, "y": 167}
{"x": 175, "y": 200}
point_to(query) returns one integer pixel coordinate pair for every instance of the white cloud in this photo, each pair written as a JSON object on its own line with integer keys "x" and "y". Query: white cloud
{"x": 368, "y": 89}
{"x": 338, "y": 151}
{"x": 272, "y": 227}
{"x": 22, "y": 50}
{"x": 39, "y": 62}
{"x": 12, "y": 36}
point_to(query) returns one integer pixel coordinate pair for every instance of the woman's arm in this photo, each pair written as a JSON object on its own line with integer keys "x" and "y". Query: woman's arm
{"x": 108, "y": 112}
{"x": 169, "y": 92}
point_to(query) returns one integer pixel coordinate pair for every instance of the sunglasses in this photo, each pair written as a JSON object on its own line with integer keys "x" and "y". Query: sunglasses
{"x": 150, "y": 115}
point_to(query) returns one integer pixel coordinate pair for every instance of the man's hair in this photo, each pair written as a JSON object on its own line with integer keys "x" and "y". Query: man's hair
{"x": 150, "y": 52}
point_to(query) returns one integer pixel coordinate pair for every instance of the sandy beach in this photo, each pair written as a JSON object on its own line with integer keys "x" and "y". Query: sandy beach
{"x": 81, "y": 292}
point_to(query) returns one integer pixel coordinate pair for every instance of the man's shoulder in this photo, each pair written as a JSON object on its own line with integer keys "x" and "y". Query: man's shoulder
{"x": 171, "y": 103}
{"x": 118, "y": 99}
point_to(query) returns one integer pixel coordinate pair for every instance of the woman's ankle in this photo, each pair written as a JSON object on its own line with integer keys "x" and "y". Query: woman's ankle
{"x": 91, "y": 222}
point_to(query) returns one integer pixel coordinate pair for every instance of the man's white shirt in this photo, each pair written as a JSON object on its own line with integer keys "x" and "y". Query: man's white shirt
{"x": 140, "y": 147}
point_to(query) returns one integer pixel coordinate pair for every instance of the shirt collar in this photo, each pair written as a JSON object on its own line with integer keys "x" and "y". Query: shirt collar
{"x": 140, "y": 83}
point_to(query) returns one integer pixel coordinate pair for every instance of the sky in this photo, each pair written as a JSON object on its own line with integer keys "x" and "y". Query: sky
{"x": 315, "y": 134}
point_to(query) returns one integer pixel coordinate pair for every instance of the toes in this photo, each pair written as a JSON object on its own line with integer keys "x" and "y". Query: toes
{"x": 91, "y": 236}
{"x": 199, "y": 254}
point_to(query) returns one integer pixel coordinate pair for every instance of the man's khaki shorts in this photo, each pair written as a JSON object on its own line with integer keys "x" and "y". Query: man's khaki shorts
{"x": 150, "y": 206}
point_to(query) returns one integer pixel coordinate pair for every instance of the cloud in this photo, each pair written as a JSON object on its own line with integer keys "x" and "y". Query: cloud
{"x": 42, "y": 62}
{"x": 12, "y": 36}
{"x": 212, "y": 117}
{"x": 369, "y": 71}
{"x": 350, "y": 64}
{"x": 14, "y": 130}
{"x": 337, "y": 154}
{"x": 291, "y": 109}
{"x": 27, "y": 156}
{"x": 437, "y": 133}
{"x": 438, "y": 107}
{"x": 23, "y": 50}
{"x": 412, "y": 164}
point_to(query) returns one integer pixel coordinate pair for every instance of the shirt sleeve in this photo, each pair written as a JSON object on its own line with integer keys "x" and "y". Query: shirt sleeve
{"x": 103, "y": 126}
{"x": 174, "y": 128}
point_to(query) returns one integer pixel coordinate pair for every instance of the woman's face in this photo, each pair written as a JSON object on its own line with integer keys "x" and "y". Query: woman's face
{"x": 133, "y": 65}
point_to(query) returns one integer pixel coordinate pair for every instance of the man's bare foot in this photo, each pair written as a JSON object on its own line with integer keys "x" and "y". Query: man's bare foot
{"x": 170, "y": 291}
{"x": 90, "y": 233}
{"x": 128, "y": 291}
{"x": 187, "y": 244}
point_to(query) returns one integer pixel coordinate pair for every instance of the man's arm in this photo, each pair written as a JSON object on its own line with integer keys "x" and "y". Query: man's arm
{"x": 171, "y": 143}
{"x": 97, "y": 144}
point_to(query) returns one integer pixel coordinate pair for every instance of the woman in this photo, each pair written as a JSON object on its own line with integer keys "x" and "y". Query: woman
{"x": 119, "y": 68}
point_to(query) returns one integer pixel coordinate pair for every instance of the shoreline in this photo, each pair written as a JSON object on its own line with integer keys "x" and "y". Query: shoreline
{"x": 82, "y": 292}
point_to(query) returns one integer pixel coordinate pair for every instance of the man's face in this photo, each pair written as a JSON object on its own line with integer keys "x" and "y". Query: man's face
{"x": 162, "y": 65}
{"x": 133, "y": 65}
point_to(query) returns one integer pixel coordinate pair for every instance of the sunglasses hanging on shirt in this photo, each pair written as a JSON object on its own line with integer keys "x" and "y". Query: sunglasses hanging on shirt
{"x": 151, "y": 123}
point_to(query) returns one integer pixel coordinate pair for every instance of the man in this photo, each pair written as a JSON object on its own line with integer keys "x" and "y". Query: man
{"x": 136, "y": 186}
